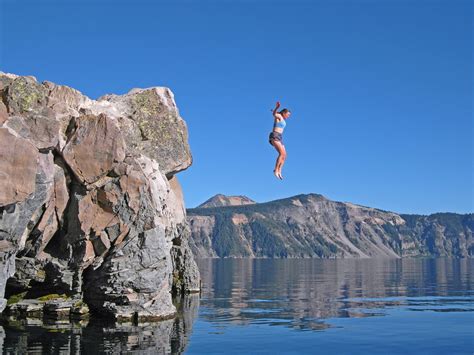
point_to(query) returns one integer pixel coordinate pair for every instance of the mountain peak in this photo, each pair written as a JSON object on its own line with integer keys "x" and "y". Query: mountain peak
{"x": 221, "y": 200}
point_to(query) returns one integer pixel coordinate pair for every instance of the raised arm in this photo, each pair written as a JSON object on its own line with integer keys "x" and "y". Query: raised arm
{"x": 275, "y": 113}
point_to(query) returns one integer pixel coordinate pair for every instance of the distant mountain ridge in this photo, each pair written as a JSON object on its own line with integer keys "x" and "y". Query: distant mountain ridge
{"x": 312, "y": 226}
{"x": 220, "y": 200}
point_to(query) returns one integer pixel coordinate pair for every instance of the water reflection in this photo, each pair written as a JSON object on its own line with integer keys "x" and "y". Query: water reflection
{"x": 272, "y": 298}
{"x": 304, "y": 293}
{"x": 95, "y": 336}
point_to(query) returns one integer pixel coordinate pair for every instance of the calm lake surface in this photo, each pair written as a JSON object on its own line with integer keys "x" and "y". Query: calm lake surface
{"x": 293, "y": 306}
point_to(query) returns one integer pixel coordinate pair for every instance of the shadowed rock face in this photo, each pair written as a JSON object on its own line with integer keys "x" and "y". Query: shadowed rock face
{"x": 89, "y": 203}
{"x": 308, "y": 226}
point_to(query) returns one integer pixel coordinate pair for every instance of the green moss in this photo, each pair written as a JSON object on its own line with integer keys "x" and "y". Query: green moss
{"x": 52, "y": 296}
{"x": 79, "y": 304}
{"x": 16, "y": 324}
{"x": 16, "y": 298}
{"x": 176, "y": 278}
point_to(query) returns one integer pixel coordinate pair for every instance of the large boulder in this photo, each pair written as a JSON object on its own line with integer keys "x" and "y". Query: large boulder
{"x": 94, "y": 148}
{"x": 24, "y": 95}
{"x": 90, "y": 204}
{"x": 153, "y": 127}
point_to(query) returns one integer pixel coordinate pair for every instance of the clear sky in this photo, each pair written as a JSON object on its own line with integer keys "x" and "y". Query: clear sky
{"x": 381, "y": 92}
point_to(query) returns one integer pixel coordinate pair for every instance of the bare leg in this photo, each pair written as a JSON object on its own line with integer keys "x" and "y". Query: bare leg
{"x": 281, "y": 158}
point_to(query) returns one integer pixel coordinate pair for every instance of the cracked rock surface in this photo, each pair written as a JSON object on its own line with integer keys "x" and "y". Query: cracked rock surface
{"x": 90, "y": 205}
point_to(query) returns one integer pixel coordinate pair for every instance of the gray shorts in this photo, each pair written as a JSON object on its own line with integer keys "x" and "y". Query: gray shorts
{"x": 275, "y": 136}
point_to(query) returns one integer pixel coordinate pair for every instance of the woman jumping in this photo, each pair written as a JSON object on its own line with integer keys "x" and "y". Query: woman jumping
{"x": 276, "y": 137}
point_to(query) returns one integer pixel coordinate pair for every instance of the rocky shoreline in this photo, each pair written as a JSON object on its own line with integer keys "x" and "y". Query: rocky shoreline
{"x": 80, "y": 334}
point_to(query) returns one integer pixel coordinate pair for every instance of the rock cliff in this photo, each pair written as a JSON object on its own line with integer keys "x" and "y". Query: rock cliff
{"x": 307, "y": 226}
{"x": 90, "y": 206}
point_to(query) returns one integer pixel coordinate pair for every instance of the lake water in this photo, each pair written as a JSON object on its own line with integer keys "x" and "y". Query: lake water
{"x": 293, "y": 306}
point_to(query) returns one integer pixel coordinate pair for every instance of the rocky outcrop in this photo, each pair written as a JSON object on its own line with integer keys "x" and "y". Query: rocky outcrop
{"x": 311, "y": 226}
{"x": 220, "y": 200}
{"x": 89, "y": 202}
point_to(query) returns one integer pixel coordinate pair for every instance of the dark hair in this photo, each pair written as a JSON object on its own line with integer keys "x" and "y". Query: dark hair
{"x": 285, "y": 110}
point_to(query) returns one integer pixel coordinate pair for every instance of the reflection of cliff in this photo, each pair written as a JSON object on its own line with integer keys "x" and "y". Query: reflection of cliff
{"x": 311, "y": 226}
{"x": 303, "y": 292}
{"x": 168, "y": 336}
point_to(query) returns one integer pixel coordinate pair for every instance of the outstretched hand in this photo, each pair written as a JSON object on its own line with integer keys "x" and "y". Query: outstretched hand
{"x": 278, "y": 104}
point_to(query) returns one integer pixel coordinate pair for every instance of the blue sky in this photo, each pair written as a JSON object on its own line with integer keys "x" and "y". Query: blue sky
{"x": 380, "y": 91}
